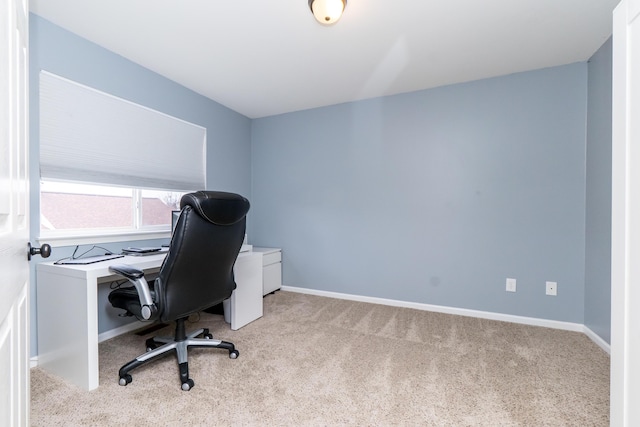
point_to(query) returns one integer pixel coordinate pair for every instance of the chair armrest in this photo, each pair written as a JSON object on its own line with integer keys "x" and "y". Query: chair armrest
{"x": 127, "y": 271}
{"x": 136, "y": 276}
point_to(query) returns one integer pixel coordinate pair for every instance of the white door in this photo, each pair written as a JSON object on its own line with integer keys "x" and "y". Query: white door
{"x": 14, "y": 214}
{"x": 625, "y": 210}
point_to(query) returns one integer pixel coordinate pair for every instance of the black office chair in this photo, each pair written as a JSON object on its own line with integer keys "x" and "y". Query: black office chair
{"x": 196, "y": 274}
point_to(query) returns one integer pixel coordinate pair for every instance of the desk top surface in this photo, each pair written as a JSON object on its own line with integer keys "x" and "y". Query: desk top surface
{"x": 101, "y": 269}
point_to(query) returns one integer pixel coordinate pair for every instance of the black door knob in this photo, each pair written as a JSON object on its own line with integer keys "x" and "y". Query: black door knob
{"x": 44, "y": 251}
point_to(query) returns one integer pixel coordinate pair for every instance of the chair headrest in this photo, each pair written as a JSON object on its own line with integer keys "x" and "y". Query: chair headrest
{"x": 217, "y": 207}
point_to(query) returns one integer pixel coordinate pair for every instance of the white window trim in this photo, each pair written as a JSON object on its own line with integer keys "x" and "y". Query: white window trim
{"x": 72, "y": 237}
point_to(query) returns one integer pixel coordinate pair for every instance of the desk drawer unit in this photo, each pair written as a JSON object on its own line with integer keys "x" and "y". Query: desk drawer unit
{"x": 271, "y": 269}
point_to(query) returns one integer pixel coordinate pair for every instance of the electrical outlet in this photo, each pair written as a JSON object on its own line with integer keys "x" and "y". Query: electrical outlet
{"x": 511, "y": 285}
{"x": 552, "y": 288}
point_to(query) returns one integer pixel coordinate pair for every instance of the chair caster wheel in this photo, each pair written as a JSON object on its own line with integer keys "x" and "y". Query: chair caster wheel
{"x": 125, "y": 380}
{"x": 208, "y": 336}
{"x": 234, "y": 354}
{"x": 188, "y": 385}
{"x": 151, "y": 344}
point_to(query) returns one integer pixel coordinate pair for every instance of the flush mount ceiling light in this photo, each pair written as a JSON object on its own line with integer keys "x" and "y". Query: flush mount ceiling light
{"x": 327, "y": 12}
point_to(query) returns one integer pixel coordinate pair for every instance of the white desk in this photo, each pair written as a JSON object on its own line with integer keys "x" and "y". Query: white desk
{"x": 67, "y": 301}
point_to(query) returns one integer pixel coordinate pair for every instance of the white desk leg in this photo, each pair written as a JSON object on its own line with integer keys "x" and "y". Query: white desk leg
{"x": 68, "y": 328}
{"x": 246, "y": 300}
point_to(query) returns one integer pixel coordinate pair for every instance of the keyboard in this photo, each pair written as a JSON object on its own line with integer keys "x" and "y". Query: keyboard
{"x": 87, "y": 260}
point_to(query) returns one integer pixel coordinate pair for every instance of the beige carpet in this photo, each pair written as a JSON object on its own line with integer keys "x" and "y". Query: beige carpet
{"x": 320, "y": 361}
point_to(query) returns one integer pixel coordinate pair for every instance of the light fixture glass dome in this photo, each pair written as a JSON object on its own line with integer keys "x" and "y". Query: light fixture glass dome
{"x": 327, "y": 12}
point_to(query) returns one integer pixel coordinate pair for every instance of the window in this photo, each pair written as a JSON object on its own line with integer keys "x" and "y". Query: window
{"x": 67, "y": 207}
{"x": 101, "y": 155}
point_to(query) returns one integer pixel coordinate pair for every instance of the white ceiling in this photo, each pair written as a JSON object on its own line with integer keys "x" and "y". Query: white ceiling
{"x": 262, "y": 58}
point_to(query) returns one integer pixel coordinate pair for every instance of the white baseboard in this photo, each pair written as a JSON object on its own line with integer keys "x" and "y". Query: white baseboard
{"x": 533, "y": 321}
{"x": 119, "y": 331}
{"x": 553, "y": 324}
{"x": 596, "y": 339}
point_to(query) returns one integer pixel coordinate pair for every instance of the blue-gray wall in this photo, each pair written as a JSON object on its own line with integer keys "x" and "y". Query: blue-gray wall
{"x": 63, "y": 53}
{"x": 598, "y": 197}
{"x": 434, "y": 196}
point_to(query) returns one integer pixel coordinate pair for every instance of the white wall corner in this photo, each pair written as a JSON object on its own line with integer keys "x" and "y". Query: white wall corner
{"x": 596, "y": 339}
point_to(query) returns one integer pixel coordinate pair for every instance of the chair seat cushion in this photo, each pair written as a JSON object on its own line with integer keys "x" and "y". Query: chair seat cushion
{"x": 127, "y": 299}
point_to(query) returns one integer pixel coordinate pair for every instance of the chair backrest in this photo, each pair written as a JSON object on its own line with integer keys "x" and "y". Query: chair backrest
{"x": 198, "y": 270}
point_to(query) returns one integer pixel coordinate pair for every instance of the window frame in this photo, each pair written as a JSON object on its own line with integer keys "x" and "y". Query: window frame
{"x": 81, "y": 236}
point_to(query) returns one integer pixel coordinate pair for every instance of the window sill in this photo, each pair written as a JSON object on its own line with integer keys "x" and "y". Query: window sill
{"x": 59, "y": 240}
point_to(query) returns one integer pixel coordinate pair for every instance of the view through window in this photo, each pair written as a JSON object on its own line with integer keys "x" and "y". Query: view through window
{"x": 66, "y": 206}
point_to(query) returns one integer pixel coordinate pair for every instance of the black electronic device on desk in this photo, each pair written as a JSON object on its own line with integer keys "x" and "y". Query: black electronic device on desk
{"x": 151, "y": 250}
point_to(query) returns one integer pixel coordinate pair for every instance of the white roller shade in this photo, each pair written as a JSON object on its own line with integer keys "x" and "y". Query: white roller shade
{"x": 90, "y": 136}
